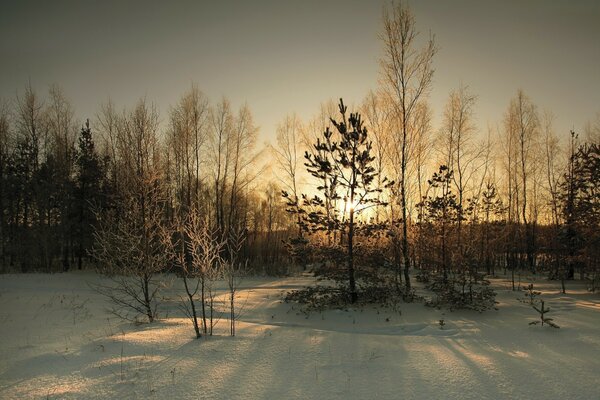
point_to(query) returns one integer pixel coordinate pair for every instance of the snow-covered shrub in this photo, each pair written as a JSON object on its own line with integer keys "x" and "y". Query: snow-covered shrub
{"x": 451, "y": 293}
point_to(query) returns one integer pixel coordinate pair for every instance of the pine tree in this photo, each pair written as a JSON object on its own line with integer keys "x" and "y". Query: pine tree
{"x": 442, "y": 211}
{"x": 542, "y": 310}
{"x": 531, "y": 294}
{"x": 581, "y": 210}
{"x": 88, "y": 190}
{"x": 344, "y": 163}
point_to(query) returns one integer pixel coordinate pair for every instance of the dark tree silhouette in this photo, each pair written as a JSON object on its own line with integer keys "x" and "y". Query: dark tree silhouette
{"x": 344, "y": 160}
{"x": 88, "y": 194}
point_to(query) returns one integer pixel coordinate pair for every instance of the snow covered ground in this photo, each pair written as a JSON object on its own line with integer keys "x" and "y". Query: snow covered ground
{"x": 57, "y": 341}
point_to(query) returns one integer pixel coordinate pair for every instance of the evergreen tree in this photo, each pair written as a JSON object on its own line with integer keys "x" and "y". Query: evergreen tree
{"x": 343, "y": 161}
{"x": 580, "y": 198}
{"x": 88, "y": 194}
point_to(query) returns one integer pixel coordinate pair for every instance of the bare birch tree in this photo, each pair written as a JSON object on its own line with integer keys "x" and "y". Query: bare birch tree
{"x": 61, "y": 132}
{"x": 288, "y": 154}
{"x": 186, "y": 136}
{"x": 460, "y": 152}
{"x": 407, "y": 74}
{"x": 522, "y": 124}
{"x": 221, "y": 120}
{"x": 129, "y": 244}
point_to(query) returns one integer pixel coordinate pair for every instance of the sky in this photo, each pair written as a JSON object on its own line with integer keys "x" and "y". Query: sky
{"x": 289, "y": 56}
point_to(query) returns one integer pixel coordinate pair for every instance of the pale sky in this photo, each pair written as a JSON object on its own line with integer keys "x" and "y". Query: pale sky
{"x": 283, "y": 56}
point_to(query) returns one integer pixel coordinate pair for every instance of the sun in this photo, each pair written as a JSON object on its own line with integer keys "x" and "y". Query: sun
{"x": 345, "y": 206}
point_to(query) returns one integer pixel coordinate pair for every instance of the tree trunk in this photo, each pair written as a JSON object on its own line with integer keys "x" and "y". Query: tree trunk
{"x": 351, "y": 280}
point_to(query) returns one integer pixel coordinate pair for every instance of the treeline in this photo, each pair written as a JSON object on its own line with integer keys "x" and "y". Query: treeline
{"x": 61, "y": 182}
{"x": 48, "y": 178}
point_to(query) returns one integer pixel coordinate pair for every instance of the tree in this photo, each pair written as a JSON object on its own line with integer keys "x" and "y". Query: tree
{"x": 455, "y": 285}
{"x": 130, "y": 251}
{"x": 243, "y": 157}
{"x": 233, "y": 269}
{"x": 522, "y": 124}
{"x": 542, "y": 310}
{"x": 580, "y": 205}
{"x": 553, "y": 162}
{"x": 5, "y": 145}
{"x": 442, "y": 212}
{"x": 196, "y": 250}
{"x": 221, "y": 120}
{"x": 128, "y": 240}
{"x": 377, "y": 115}
{"x": 60, "y": 132}
{"x": 345, "y": 159}
{"x": 592, "y": 130}
{"x": 186, "y": 137}
{"x": 287, "y": 154}
{"x": 492, "y": 208}
{"x": 406, "y": 74}
{"x": 460, "y": 153}
{"x": 88, "y": 195}
{"x": 25, "y": 166}
{"x": 465, "y": 158}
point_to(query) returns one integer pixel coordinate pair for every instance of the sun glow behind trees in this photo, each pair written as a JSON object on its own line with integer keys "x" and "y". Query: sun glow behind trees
{"x": 344, "y": 206}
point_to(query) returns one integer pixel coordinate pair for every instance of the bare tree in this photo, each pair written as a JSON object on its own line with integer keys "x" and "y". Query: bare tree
{"x": 460, "y": 152}
{"x": 234, "y": 268}
{"x": 27, "y": 155}
{"x": 287, "y": 154}
{"x": 592, "y": 130}
{"x": 129, "y": 244}
{"x": 377, "y": 117}
{"x": 553, "y": 163}
{"x": 61, "y": 132}
{"x": 407, "y": 73}
{"x": 186, "y": 136}
{"x": 221, "y": 119}
{"x": 243, "y": 156}
{"x": 522, "y": 125}
{"x": 61, "y": 127}
{"x": 314, "y": 127}
{"x": 108, "y": 121}
{"x": 196, "y": 249}
{"x": 130, "y": 255}
{"x": 207, "y": 264}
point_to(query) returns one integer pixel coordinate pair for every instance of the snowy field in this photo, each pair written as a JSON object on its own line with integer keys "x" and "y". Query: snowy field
{"x": 58, "y": 341}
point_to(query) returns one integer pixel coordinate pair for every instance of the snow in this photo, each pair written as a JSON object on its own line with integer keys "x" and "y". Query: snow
{"x": 58, "y": 341}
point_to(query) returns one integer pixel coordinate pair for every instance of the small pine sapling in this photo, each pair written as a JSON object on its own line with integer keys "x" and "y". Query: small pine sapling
{"x": 530, "y": 295}
{"x": 543, "y": 319}
{"x": 442, "y": 323}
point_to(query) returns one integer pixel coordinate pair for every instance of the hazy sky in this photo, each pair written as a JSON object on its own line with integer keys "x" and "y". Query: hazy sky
{"x": 284, "y": 56}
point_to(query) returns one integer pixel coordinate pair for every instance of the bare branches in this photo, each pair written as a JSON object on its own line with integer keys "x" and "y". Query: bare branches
{"x": 187, "y": 134}
{"x": 129, "y": 243}
{"x": 407, "y": 71}
{"x": 234, "y": 269}
{"x": 195, "y": 247}
{"x": 130, "y": 255}
{"x": 407, "y": 74}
